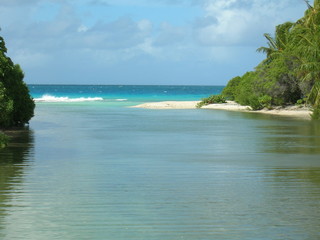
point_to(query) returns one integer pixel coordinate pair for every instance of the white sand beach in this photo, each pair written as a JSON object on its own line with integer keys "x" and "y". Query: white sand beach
{"x": 169, "y": 105}
{"x": 291, "y": 111}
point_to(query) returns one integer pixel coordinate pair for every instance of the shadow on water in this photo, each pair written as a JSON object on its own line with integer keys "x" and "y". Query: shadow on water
{"x": 13, "y": 161}
{"x": 293, "y": 137}
{"x": 19, "y": 148}
{"x": 285, "y": 135}
{"x": 311, "y": 175}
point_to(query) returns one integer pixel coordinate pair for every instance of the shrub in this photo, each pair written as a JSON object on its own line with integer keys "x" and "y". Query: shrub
{"x": 230, "y": 91}
{"x": 265, "y": 101}
{"x": 212, "y": 99}
{"x": 245, "y": 93}
{"x": 6, "y": 107}
{"x": 254, "y": 103}
{"x": 16, "y": 104}
{"x": 302, "y": 101}
{"x": 316, "y": 113}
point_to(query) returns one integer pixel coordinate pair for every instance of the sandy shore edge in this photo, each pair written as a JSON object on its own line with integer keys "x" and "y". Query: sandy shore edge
{"x": 291, "y": 111}
{"x": 168, "y": 105}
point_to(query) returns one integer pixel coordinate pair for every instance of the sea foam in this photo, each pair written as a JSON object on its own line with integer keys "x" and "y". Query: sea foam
{"x": 50, "y": 98}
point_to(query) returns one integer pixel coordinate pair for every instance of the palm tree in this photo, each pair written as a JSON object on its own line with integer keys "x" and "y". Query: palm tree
{"x": 308, "y": 4}
{"x": 279, "y": 43}
{"x": 306, "y": 39}
{"x": 272, "y": 46}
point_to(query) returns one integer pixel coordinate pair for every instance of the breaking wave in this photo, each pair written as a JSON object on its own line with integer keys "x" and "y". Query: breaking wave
{"x": 50, "y": 98}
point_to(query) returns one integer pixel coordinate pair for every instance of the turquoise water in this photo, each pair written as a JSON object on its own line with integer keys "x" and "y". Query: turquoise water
{"x": 101, "y": 170}
{"x": 120, "y": 93}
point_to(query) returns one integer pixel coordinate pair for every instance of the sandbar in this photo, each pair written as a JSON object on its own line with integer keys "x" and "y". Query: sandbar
{"x": 169, "y": 105}
{"x": 290, "y": 111}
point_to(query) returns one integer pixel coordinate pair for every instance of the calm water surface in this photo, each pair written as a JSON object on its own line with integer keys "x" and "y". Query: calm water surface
{"x": 96, "y": 171}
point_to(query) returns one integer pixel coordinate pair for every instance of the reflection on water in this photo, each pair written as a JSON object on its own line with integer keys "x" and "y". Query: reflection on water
{"x": 102, "y": 173}
{"x": 20, "y": 147}
{"x": 13, "y": 160}
{"x": 296, "y": 193}
{"x": 309, "y": 175}
{"x": 293, "y": 137}
{"x": 286, "y": 134}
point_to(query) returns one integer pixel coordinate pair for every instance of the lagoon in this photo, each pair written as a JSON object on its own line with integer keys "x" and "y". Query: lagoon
{"x": 101, "y": 170}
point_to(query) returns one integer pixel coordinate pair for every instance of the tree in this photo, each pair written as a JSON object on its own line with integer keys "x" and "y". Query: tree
{"x": 16, "y": 104}
{"x": 278, "y": 44}
{"x": 307, "y": 42}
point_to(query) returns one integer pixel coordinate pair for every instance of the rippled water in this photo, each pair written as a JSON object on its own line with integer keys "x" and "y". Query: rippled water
{"x": 94, "y": 171}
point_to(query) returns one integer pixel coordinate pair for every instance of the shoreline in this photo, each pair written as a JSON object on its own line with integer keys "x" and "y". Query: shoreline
{"x": 289, "y": 111}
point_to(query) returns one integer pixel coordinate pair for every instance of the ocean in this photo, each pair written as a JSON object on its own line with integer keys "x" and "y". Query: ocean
{"x": 90, "y": 167}
{"x": 120, "y": 93}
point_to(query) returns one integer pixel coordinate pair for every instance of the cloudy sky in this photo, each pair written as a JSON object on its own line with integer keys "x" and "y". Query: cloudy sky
{"x": 197, "y": 42}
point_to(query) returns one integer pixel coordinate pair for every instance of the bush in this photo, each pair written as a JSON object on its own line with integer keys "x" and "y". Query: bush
{"x": 254, "y": 103}
{"x": 245, "y": 94}
{"x": 212, "y": 99}
{"x": 230, "y": 91}
{"x": 6, "y": 107}
{"x": 16, "y": 104}
{"x": 316, "y": 113}
{"x": 302, "y": 101}
{"x": 265, "y": 101}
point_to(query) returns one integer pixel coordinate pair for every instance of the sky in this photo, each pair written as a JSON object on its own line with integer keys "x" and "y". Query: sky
{"x": 153, "y": 42}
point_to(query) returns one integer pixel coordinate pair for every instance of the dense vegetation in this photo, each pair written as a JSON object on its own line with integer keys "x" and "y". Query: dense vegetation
{"x": 16, "y": 104}
{"x": 290, "y": 73}
{"x": 211, "y": 99}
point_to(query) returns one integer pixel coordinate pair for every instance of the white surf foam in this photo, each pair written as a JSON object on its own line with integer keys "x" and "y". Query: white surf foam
{"x": 50, "y": 98}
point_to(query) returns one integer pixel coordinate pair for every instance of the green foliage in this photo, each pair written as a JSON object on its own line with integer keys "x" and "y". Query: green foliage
{"x": 291, "y": 70}
{"x": 229, "y": 91}
{"x": 277, "y": 79}
{"x": 316, "y": 113}
{"x": 265, "y": 101}
{"x": 301, "y": 102}
{"x": 210, "y": 100}
{"x": 254, "y": 103}
{"x": 278, "y": 44}
{"x": 244, "y": 92}
{"x": 6, "y": 107}
{"x": 16, "y": 104}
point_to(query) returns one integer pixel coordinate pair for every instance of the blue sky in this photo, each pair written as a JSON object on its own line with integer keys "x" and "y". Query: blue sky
{"x": 175, "y": 42}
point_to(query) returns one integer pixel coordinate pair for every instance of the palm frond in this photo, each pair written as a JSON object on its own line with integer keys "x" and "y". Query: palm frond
{"x": 308, "y": 4}
{"x": 314, "y": 96}
{"x": 271, "y": 42}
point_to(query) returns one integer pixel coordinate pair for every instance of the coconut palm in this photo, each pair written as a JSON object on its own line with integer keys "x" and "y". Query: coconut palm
{"x": 279, "y": 43}
{"x": 306, "y": 38}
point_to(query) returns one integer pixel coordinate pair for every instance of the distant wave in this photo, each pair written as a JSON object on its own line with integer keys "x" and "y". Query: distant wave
{"x": 50, "y": 98}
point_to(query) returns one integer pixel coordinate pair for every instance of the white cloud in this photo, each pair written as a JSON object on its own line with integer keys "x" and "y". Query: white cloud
{"x": 122, "y": 33}
{"x": 71, "y": 35}
{"x": 169, "y": 34}
{"x": 229, "y": 28}
{"x": 31, "y": 59}
{"x": 148, "y": 47}
{"x": 82, "y": 28}
{"x": 144, "y": 25}
{"x": 240, "y": 22}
